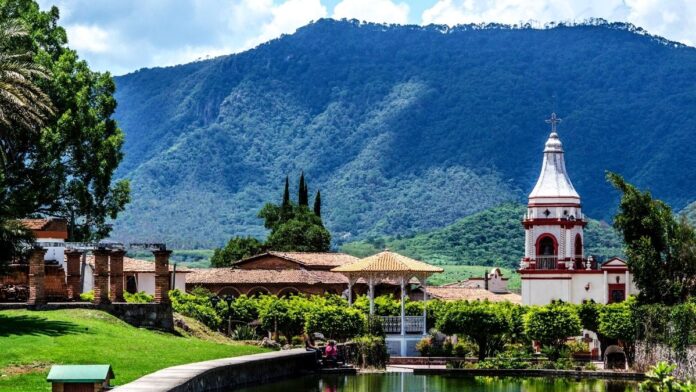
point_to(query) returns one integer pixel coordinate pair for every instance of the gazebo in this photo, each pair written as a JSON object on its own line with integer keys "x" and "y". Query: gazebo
{"x": 390, "y": 266}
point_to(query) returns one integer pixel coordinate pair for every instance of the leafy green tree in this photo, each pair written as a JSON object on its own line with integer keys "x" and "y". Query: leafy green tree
{"x": 661, "y": 250}
{"x": 339, "y": 323}
{"x": 236, "y": 249}
{"x": 303, "y": 233}
{"x": 479, "y": 321}
{"x": 65, "y": 169}
{"x": 317, "y": 204}
{"x": 281, "y": 317}
{"x": 616, "y": 321}
{"x": 552, "y": 325}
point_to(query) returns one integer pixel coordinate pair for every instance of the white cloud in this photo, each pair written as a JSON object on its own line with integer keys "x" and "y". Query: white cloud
{"x": 380, "y": 11}
{"x": 287, "y": 17}
{"x": 514, "y": 11}
{"x": 671, "y": 19}
{"x": 88, "y": 38}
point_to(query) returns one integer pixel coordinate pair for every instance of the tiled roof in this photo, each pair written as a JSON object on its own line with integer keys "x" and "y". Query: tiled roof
{"x": 260, "y": 276}
{"x": 137, "y": 265}
{"x": 387, "y": 261}
{"x": 471, "y": 294}
{"x": 35, "y": 224}
{"x": 311, "y": 259}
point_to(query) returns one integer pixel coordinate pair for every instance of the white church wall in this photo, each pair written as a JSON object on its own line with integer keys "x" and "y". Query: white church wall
{"x": 587, "y": 287}
{"x": 543, "y": 291}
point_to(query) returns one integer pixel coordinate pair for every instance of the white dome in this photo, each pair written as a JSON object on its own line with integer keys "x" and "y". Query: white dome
{"x": 553, "y": 180}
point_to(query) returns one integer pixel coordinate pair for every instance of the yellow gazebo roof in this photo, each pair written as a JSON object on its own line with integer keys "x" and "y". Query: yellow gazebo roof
{"x": 387, "y": 261}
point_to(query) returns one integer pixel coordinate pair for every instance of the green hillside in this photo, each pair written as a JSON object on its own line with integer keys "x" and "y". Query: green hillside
{"x": 494, "y": 237}
{"x": 405, "y": 129}
{"x": 32, "y": 341}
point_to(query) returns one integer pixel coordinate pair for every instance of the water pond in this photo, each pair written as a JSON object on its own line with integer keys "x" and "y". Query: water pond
{"x": 408, "y": 382}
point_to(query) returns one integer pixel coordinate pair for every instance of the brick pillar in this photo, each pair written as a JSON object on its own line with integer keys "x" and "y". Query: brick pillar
{"x": 162, "y": 276}
{"x": 116, "y": 276}
{"x": 37, "y": 273}
{"x": 101, "y": 276}
{"x": 72, "y": 270}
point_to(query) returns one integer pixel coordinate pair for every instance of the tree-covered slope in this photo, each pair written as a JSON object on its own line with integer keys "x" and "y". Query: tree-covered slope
{"x": 404, "y": 128}
{"x": 491, "y": 237}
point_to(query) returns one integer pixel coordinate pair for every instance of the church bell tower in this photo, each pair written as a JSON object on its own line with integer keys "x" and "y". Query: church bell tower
{"x": 554, "y": 221}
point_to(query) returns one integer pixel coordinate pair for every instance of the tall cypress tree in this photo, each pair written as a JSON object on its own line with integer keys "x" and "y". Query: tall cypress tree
{"x": 317, "y": 204}
{"x": 286, "y": 193}
{"x": 303, "y": 199}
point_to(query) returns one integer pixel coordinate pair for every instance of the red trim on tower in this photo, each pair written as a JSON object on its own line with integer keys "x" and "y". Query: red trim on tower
{"x": 564, "y": 223}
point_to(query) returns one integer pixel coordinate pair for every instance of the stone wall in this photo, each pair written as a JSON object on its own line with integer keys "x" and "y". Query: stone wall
{"x": 649, "y": 354}
{"x": 150, "y": 316}
{"x": 226, "y": 374}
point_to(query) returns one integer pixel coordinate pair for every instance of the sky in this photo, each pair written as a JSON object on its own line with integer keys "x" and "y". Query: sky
{"x": 125, "y": 35}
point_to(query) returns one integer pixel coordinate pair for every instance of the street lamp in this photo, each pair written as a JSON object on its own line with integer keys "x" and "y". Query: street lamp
{"x": 229, "y": 298}
{"x": 215, "y": 300}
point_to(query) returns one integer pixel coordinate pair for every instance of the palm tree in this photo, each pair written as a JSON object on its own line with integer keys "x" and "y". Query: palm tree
{"x": 24, "y": 107}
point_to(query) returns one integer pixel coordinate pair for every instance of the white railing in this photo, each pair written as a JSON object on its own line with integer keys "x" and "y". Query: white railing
{"x": 392, "y": 324}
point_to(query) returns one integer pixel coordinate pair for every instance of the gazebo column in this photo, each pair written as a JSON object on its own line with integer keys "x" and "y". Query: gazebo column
{"x": 425, "y": 304}
{"x": 350, "y": 290}
{"x": 371, "y": 285}
{"x": 403, "y": 317}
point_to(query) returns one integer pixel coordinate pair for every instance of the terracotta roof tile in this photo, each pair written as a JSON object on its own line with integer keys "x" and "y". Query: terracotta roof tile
{"x": 471, "y": 294}
{"x": 387, "y": 261}
{"x": 138, "y": 265}
{"x": 238, "y": 276}
{"x": 320, "y": 258}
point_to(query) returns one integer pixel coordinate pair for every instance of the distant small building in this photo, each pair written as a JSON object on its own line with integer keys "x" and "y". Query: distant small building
{"x": 492, "y": 288}
{"x": 80, "y": 378}
{"x": 138, "y": 275}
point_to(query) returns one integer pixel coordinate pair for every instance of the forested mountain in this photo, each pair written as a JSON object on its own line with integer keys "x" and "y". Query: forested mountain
{"x": 491, "y": 237}
{"x": 404, "y": 128}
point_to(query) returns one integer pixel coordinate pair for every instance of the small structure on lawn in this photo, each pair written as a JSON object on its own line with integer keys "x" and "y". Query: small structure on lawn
{"x": 80, "y": 378}
{"x": 390, "y": 266}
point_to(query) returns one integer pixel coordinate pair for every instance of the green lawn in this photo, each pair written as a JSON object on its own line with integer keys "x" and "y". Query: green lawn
{"x": 454, "y": 273}
{"x": 31, "y": 341}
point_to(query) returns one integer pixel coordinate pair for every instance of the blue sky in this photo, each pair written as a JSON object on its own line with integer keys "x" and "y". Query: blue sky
{"x": 125, "y": 35}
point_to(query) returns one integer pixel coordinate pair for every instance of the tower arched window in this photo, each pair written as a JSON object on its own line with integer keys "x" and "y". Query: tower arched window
{"x": 547, "y": 246}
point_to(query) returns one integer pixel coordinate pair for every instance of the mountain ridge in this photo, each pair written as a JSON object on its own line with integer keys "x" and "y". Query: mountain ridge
{"x": 403, "y": 128}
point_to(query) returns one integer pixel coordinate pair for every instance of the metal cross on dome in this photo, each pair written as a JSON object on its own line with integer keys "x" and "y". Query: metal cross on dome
{"x": 553, "y": 121}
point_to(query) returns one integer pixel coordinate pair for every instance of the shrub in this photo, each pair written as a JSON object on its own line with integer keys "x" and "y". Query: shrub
{"x": 552, "y": 325}
{"x": 462, "y": 349}
{"x": 616, "y": 321}
{"x": 370, "y": 352}
{"x": 244, "y": 332}
{"x": 297, "y": 341}
{"x": 423, "y": 346}
{"x": 87, "y": 296}
{"x": 283, "y": 317}
{"x": 196, "y": 306}
{"x": 138, "y": 298}
{"x": 374, "y": 326}
{"x": 336, "y": 322}
{"x": 479, "y": 321}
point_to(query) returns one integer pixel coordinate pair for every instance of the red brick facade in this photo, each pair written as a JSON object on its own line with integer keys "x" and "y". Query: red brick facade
{"x": 116, "y": 276}
{"x": 37, "y": 294}
{"x": 72, "y": 260}
{"x": 162, "y": 275}
{"x": 101, "y": 276}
